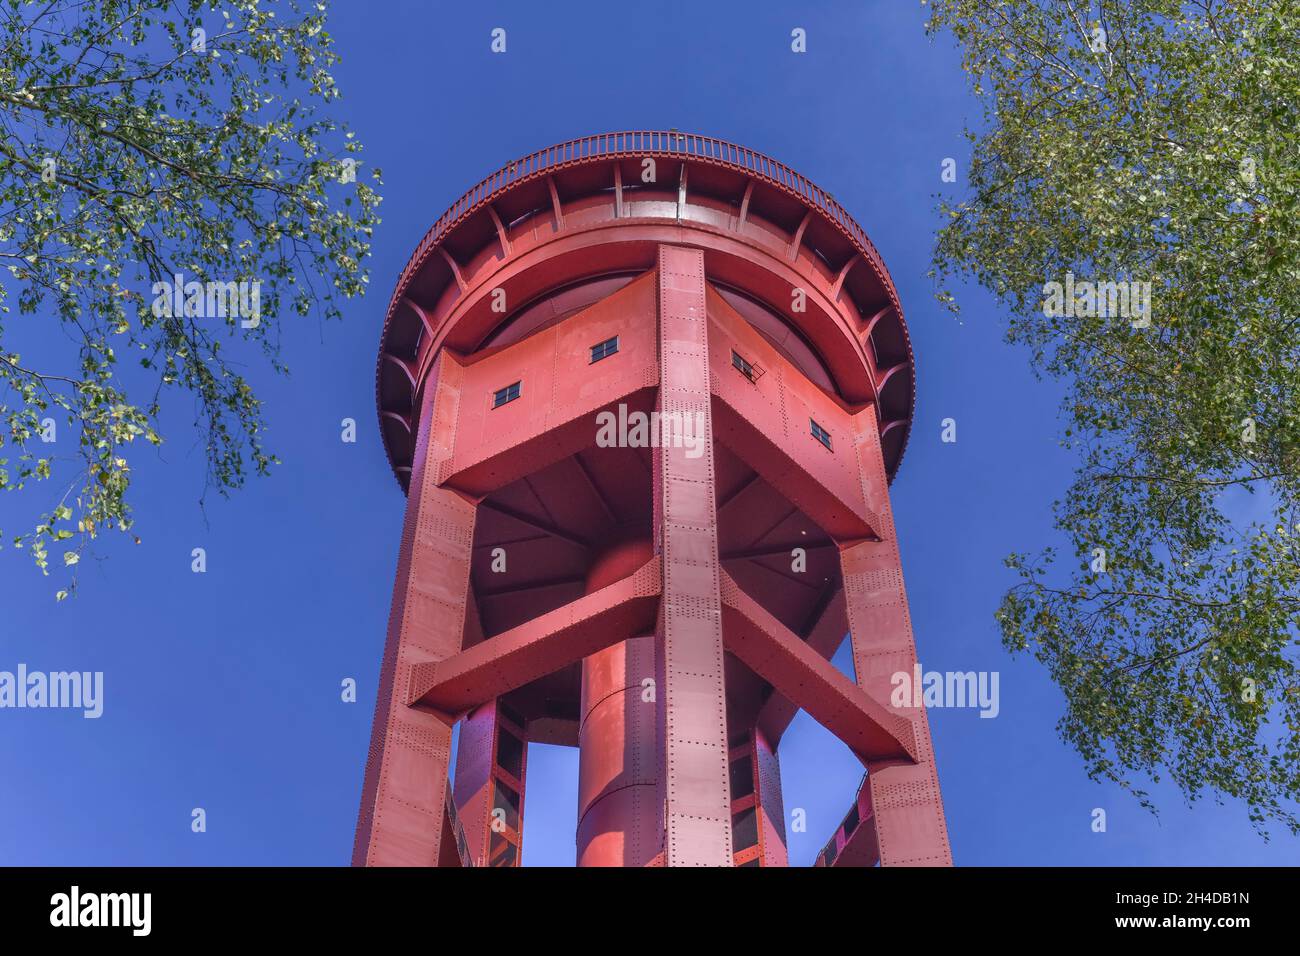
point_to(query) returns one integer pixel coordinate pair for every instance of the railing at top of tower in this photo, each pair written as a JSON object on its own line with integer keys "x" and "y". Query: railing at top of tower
{"x": 644, "y": 143}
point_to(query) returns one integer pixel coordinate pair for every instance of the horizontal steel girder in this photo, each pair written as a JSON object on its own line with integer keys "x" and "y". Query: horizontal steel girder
{"x": 538, "y": 647}
{"x": 811, "y": 682}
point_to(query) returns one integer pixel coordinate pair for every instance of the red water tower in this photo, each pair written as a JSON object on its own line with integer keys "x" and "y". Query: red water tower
{"x": 645, "y": 393}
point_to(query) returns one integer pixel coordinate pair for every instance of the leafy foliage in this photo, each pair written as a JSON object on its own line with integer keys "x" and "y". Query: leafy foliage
{"x": 146, "y": 139}
{"x": 1153, "y": 140}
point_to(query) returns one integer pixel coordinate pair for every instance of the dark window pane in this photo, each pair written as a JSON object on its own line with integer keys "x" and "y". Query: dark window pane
{"x": 742, "y": 778}
{"x": 821, "y": 434}
{"x": 745, "y": 368}
{"x": 744, "y": 829}
{"x": 604, "y": 349}
{"x": 510, "y": 753}
{"x": 507, "y": 394}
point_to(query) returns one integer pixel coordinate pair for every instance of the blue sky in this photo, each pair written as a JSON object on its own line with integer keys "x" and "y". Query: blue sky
{"x": 222, "y": 689}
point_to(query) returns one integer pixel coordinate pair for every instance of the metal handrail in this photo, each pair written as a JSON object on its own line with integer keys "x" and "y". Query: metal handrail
{"x": 639, "y": 143}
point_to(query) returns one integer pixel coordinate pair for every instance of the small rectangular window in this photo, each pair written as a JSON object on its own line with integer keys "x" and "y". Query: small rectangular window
{"x": 604, "y": 349}
{"x": 507, "y": 394}
{"x": 744, "y": 829}
{"x": 821, "y": 434}
{"x": 741, "y": 366}
{"x": 510, "y": 753}
{"x": 742, "y": 778}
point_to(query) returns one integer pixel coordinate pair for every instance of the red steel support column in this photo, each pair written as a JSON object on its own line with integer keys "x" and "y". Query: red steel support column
{"x": 692, "y": 713}
{"x": 757, "y": 812}
{"x": 490, "y": 768}
{"x": 771, "y": 804}
{"x": 906, "y": 804}
{"x": 402, "y": 820}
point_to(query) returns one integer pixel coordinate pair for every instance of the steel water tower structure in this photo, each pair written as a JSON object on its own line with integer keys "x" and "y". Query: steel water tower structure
{"x": 645, "y": 393}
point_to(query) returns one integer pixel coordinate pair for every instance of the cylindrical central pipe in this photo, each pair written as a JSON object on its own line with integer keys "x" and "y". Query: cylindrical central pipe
{"x": 618, "y": 818}
{"x": 619, "y": 823}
